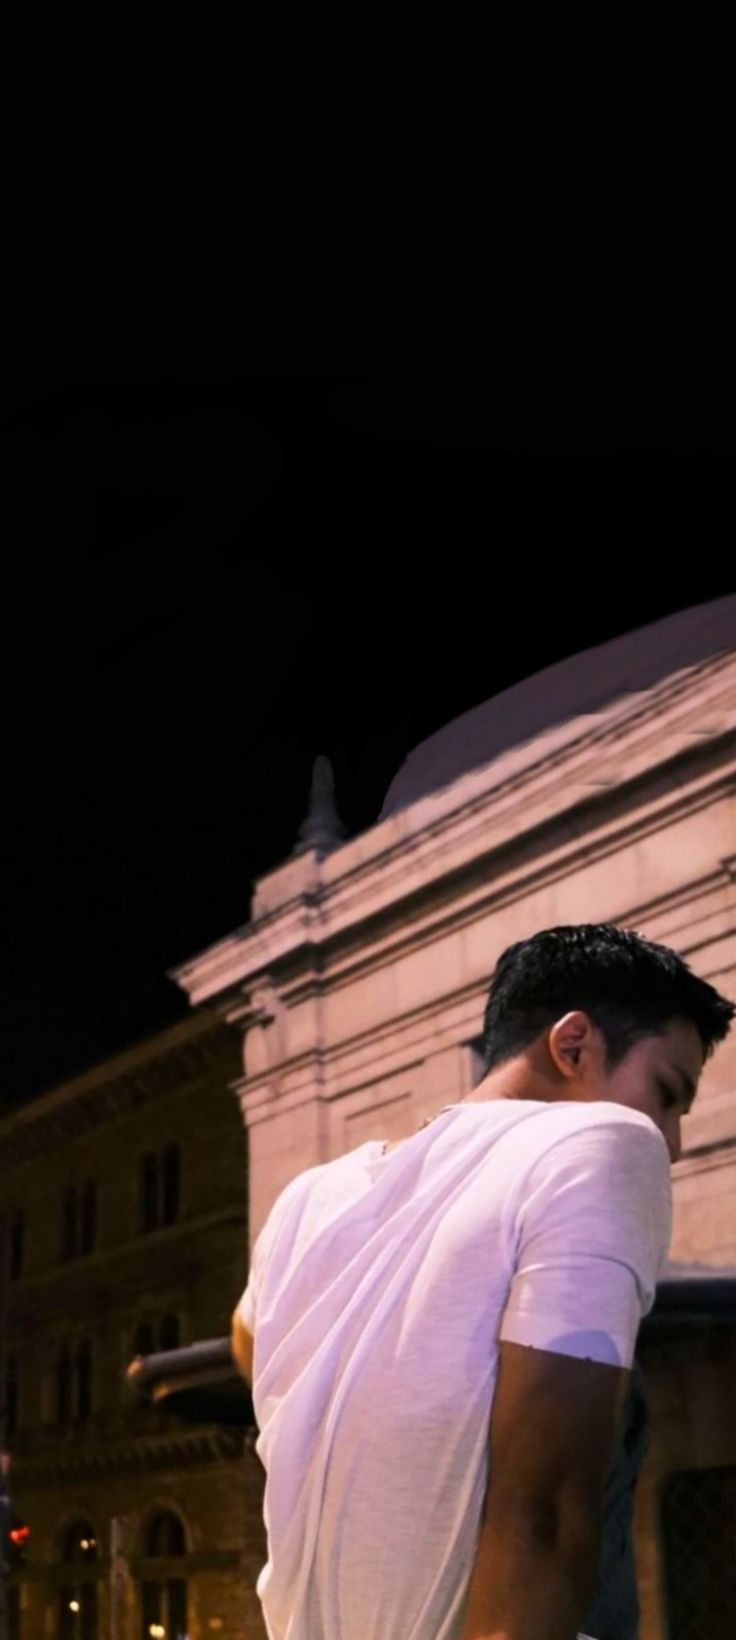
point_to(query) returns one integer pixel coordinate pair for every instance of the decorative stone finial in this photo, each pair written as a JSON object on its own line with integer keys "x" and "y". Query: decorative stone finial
{"x": 323, "y": 829}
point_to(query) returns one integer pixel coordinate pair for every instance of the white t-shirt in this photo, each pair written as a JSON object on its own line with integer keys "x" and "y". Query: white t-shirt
{"x": 379, "y": 1288}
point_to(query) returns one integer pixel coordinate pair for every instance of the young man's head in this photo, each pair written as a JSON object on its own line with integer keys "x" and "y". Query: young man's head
{"x": 595, "y": 1012}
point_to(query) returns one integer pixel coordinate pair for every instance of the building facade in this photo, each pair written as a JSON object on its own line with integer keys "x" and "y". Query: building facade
{"x": 350, "y": 1007}
{"x": 126, "y": 1209}
{"x": 604, "y": 790}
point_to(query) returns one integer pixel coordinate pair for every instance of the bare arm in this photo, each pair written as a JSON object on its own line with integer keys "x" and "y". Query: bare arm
{"x": 241, "y": 1344}
{"x": 551, "y": 1434}
{"x": 530, "y": 1581}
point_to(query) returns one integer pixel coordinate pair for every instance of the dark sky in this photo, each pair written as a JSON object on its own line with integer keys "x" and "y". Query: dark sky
{"x": 208, "y": 582}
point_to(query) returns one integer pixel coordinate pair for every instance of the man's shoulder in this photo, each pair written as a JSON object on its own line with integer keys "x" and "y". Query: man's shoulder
{"x": 295, "y": 1190}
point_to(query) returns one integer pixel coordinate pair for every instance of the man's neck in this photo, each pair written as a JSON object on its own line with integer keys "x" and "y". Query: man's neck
{"x": 516, "y": 1080}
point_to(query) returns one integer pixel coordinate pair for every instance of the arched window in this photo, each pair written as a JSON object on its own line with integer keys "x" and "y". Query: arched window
{"x": 78, "y": 1588}
{"x": 165, "y": 1536}
{"x": 64, "y": 1377}
{"x": 148, "y": 1192}
{"x": 89, "y": 1217}
{"x": 163, "y": 1597}
{"x": 12, "y": 1394}
{"x": 17, "y": 1245}
{"x": 84, "y": 1379}
{"x": 170, "y": 1172}
{"x": 145, "y": 1342}
{"x": 169, "y": 1333}
{"x": 79, "y": 1544}
{"x": 69, "y": 1223}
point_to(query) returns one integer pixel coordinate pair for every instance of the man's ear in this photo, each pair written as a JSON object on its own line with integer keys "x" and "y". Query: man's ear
{"x": 568, "y": 1043}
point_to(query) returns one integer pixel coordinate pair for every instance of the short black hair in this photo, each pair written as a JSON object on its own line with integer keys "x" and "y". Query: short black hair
{"x": 629, "y": 987}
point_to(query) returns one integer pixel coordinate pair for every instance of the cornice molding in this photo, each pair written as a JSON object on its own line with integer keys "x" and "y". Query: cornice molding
{"x": 107, "y": 1093}
{"x": 62, "y": 1461}
{"x": 663, "y": 751}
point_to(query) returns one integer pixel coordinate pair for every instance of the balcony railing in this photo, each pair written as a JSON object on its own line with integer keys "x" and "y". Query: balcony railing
{"x": 199, "y": 1383}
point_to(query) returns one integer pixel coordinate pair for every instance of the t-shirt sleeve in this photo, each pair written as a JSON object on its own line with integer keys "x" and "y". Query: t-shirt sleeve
{"x": 593, "y": 1231}
{"x": 247, "y": 1307}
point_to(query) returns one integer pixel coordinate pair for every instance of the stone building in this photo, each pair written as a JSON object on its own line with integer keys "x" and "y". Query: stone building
{"x": 126, "y": 1208}
{"x": 601, "y": 789}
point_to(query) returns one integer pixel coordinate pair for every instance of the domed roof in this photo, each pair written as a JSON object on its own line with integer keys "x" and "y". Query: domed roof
{"x": 576, "y": 687}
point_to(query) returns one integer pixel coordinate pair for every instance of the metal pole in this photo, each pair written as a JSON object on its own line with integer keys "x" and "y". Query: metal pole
{"x": 118, "y": 1575}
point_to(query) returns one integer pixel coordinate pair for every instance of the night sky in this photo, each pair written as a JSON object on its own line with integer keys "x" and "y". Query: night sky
{"x": 209, "y": 582}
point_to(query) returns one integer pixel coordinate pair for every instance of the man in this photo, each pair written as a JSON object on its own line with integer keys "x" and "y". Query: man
{"x": 445, "y": 1327}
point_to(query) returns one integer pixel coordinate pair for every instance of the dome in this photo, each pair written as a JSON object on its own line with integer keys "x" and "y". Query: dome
{"x": 576, "y": 687}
